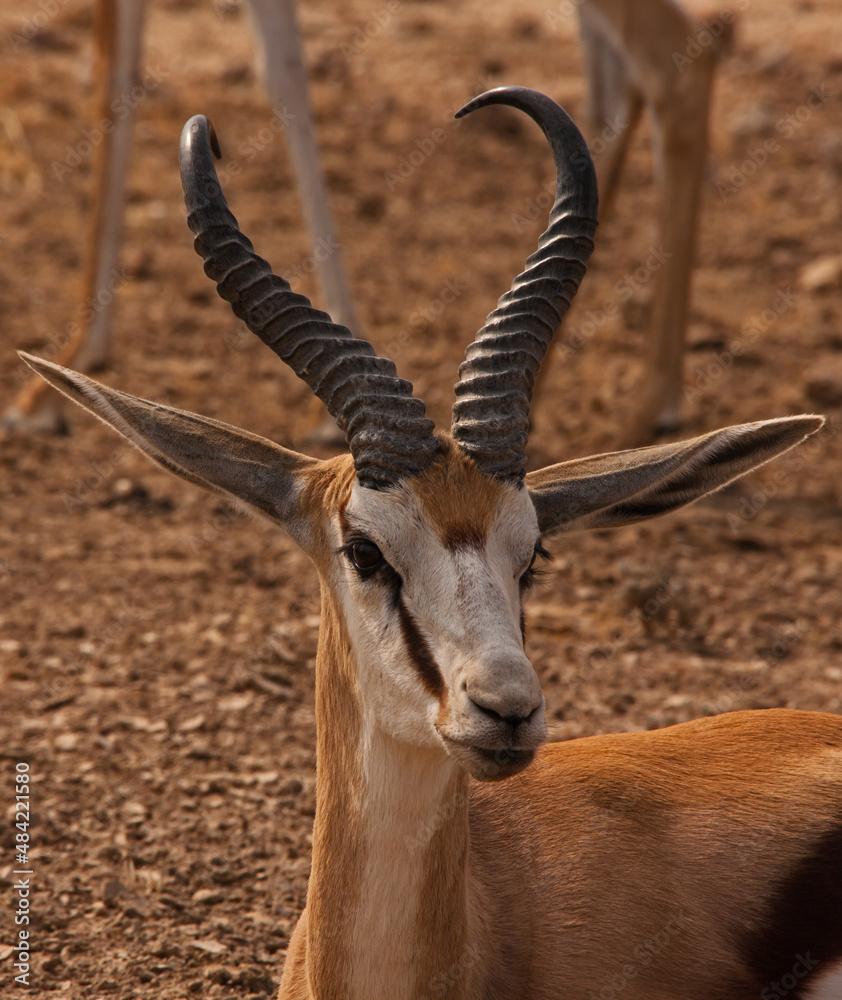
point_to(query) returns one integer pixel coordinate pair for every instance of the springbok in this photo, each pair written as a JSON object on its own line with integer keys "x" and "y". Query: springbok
{"x": 700, "y": 861}
{"x": 633, "y": 55}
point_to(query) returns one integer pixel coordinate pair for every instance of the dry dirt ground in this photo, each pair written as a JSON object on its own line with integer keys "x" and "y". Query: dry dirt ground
{"x": 158, "y": 648}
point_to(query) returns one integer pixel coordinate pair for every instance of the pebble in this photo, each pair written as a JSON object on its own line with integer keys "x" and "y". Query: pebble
{"x": 207, "y": 896}
{"x": 210, "y": 946}
{"x": 821, "y": 273}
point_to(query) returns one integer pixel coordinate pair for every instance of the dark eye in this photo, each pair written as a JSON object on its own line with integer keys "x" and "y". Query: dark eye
{"x": 365, "y": 556}
{"x": 528, "y": 576}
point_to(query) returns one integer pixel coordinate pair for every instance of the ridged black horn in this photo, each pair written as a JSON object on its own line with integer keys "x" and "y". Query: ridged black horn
{"x": 491, "y": 412}
{"x": 387, "y": 432}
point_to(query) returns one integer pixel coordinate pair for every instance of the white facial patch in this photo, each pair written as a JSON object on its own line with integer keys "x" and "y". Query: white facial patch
{"x": 452, "y": 610}
{"x": 824, "y": 983}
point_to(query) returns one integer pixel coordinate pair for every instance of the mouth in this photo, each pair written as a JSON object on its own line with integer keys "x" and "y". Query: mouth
{"x": 499, "y": 764}
{"x": 487, "y": 764}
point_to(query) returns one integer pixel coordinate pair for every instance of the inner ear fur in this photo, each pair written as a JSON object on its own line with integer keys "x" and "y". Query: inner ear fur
{"x": 212, "y": 454}
{"x": 606, "y": 491}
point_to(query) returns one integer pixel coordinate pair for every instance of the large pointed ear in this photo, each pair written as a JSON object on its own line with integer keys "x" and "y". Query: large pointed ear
{"x": 607, "y": 491}
{"x": 207, "y": 452}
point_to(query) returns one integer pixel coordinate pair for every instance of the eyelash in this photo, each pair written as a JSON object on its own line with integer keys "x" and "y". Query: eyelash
{"x": 382, "y": 569}
{"x": 532, "y": 573}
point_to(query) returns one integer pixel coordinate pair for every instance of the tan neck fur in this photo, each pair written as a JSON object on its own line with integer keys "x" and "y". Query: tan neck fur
{"x": 390, "y": 851}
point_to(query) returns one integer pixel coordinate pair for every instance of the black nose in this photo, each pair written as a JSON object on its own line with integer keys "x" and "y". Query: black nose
{"x": 511, "y": 720}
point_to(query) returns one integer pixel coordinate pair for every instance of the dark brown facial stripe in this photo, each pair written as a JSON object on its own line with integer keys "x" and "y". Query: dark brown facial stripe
{"x": 419, "y": 652}
{"x": 803, "y": 937}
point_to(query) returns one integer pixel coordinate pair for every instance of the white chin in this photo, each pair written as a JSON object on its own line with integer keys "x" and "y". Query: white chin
{"x": 490, "y": 765}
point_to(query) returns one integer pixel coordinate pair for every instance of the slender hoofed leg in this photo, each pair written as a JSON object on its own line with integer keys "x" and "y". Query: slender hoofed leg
{"x": 119, "y": 33}
{"x": 119, "y": 28}
{"x": 629, "y": 53}
{"x": 282, "y": 65}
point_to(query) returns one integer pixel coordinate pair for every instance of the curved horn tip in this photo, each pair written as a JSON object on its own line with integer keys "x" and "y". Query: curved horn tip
{"x": 522, "y": 98}
{"x": 570, "y": 151}
{"x": 200, "y": 125}
{"x": 472, "y": 105}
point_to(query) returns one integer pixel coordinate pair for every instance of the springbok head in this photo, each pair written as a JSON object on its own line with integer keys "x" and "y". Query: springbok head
{"x": 425, "y": 542}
